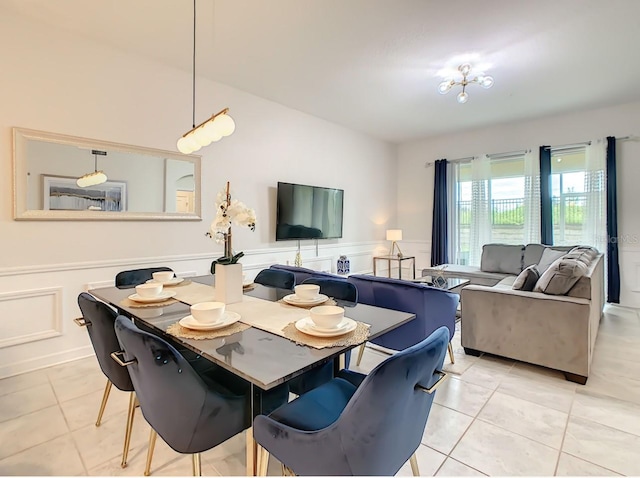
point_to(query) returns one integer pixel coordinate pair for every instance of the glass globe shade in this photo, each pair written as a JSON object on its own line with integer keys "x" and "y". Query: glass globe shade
{"x": 465, "y": 69}
{"x": 184, "y": 146}
{"x": 444, "y": 87}
{"x": 193, "y": 144}
{"x": 463, "y": 97}
{"x": 201, "y": 136}
{"x": 225, "y": 124}
{"x": 487, "y": 82}
{"x": 212, "y": 131}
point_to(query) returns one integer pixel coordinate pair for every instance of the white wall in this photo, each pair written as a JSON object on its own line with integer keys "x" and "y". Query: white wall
{"x": 54, "y": 82}
{"x": 415, "y": 180}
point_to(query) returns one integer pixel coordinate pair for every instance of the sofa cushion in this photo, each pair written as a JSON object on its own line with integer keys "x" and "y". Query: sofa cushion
{"x": 527, "y": 279}
{"x": 533, "y": 253}
{"x": 561, "y": 276}
{"x": 582, "y": 255}
{"x": 549, "y": 256}
{"x": 592, "y": 252}
{"x": 503, "y": 258}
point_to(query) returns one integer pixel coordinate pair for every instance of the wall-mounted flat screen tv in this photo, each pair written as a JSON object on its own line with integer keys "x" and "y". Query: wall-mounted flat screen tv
{"x": 308, "y": 212}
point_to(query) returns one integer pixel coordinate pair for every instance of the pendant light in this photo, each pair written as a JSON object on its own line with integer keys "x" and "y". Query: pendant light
{"x": 214, "y": 128}
{"x": 95, "y": 178}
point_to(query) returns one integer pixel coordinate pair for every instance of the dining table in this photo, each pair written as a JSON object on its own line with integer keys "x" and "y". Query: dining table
{"x": 257, "y": 354}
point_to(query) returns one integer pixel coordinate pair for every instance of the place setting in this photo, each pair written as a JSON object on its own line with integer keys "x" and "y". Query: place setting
{"x": 208, "y": 320}
{"x": 166, "y": 278}
{"x": 306, "y": 295}
{"x": 150, "y": 295}
{"x": 326, "y": 326}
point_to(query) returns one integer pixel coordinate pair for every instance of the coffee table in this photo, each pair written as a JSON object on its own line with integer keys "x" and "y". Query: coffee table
{"x": 452, "y": 284}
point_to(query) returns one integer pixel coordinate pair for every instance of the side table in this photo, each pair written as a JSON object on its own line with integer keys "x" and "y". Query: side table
{"x": 399, "y": 260}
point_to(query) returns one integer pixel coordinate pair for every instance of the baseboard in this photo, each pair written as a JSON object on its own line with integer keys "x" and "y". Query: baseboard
{"x": 37, "y": 363}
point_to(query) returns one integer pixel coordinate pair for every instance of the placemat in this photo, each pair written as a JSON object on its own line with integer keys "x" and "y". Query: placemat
{"x": 139, "y": 305}
{"x": 358, "y": 336}
{"x": 178, "y": 330}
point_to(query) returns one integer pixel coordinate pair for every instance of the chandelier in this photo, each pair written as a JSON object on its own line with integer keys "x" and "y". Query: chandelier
{"x": 211, "y": 130}
{"x": 95, "y": 178}
{"x": 483, "y": 80}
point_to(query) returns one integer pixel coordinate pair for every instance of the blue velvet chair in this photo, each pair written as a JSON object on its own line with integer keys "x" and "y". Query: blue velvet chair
{"x": 356, "y": 424}
{"x": 134, "y": 277}
{"x": 303, "y": 273}
{"x": 99, "y": 320}
{"x": 433, "y": 308}
{"x": 340, "y": 290}
{"x": 191, "y": 413}
{"x": 276, "y": 278}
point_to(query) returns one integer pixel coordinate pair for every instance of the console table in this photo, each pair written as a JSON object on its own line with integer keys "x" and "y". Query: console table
{"x": 399, "y": 260}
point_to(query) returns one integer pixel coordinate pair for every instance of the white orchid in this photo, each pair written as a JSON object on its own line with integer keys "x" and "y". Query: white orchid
{"x": 229, "y": 212}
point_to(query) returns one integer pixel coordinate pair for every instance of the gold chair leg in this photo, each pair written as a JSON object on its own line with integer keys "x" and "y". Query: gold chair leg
{"x": 105, "y": 397}
{"x": 360, "y": 354}
{"x": 197, "y": 470}
{"x": 453, "y": 360}
{"x": 127, "y": 434}
{"x": 263, "y": 461}
{"x": 414, "y": 465}
{"x": 252, "y": 453}
{"x": 152, "y": 444}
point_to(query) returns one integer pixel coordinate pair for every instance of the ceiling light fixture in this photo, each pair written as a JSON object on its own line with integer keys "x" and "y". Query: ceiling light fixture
{"x": 483, "y": 80}
{"x": 214, "y": 128}
{"x": 95, "y": 178}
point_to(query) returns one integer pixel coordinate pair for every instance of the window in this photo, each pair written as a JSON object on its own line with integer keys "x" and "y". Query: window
{"x": 489, "y": 204}
{"x": 578, "y": 197}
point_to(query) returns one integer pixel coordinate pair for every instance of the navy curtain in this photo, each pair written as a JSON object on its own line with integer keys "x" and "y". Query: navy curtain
{"x": 546, "y": 211}
{"x": 613, "y": 265}
{"x": 439, "y": 239}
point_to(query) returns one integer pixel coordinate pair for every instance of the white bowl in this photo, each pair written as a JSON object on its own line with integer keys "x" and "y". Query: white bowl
{"x": 307, "y": 291}
{"x": 208, "y": 313}
{"x": 327, "y": 316}
{"x": 163, "y": 276}
{"x": 149, "y": 290}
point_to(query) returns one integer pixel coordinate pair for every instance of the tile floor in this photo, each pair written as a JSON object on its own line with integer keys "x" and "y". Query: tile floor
{"x": 492, "y": 417}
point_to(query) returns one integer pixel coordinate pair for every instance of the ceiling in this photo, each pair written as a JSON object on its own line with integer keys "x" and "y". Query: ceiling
{"x": 372, "y": 65}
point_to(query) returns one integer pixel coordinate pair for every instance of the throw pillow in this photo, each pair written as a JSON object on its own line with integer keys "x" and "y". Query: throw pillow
{"x": 527, "y": 279}
{"x": 549, "y": 256}
{"x": 561, "y": 276}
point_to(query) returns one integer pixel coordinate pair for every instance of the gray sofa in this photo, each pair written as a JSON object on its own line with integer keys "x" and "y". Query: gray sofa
{"x": 555, "y": 331}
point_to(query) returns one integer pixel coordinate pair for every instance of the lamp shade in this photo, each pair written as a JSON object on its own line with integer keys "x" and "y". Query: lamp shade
{"x": 394, "y": 234}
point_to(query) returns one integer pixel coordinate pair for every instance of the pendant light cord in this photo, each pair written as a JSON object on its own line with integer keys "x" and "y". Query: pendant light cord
{"x": 194, "y": 64}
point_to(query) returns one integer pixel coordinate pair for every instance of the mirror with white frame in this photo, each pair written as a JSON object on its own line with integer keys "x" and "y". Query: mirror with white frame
{"x": 140, "y": 183}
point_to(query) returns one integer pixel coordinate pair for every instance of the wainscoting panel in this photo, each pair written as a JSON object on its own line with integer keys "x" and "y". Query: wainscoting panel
{"x": 37, "y": 311}
{"x": 30, "y": 315}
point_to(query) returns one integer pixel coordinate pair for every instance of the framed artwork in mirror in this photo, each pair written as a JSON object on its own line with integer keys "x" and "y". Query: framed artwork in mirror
{"x": 63, "y": 194}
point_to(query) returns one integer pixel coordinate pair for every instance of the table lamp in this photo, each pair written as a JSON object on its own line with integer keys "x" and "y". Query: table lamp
{"x": 394, "y": 235}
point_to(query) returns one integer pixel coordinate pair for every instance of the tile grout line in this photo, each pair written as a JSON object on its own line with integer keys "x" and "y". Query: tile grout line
{"x": 64, "y": 417}
{"x": 564, "y": 434}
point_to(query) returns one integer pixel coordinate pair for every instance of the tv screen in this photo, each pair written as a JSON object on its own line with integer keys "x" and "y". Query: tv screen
{"x": 308, "y": 212}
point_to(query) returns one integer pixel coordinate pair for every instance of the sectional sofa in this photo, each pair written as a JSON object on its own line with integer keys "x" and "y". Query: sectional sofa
{"x": 541, "y": 326}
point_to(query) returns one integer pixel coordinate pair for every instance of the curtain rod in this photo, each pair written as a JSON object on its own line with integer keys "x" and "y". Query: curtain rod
{"x": 491, "y": 156}
{"x": 514, "y": 153}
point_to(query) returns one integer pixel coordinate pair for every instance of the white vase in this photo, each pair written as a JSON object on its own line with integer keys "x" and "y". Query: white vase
{"x": 228, "y": 285}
